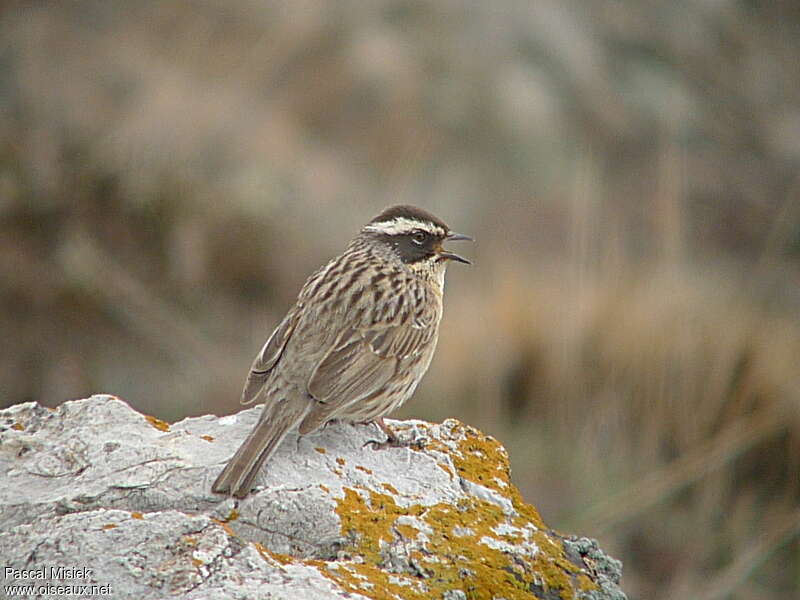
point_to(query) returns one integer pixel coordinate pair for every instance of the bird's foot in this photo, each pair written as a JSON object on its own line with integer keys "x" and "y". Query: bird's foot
{"x": 393, "y": 440}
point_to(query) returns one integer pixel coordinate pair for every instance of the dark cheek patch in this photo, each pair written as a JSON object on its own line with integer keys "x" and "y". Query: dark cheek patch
{"x": 408, "y": 251}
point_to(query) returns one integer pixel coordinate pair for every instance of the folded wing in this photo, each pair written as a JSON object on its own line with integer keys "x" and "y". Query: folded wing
{"x": 364, "y": 359}
{"x": 268, "y": 357}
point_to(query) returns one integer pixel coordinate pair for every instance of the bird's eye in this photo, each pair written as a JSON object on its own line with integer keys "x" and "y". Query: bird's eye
{"x": 418, "y": 237}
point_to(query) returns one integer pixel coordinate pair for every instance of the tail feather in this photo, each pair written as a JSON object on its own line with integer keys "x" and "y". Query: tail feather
{"x": 275, "y": 422}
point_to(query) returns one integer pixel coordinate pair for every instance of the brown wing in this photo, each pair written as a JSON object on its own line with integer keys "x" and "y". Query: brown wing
{"x": 364, "y": 359}
{"x": 268, "y": 357}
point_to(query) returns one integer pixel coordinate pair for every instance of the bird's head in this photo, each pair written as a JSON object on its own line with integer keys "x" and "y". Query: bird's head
{"x": 415, "y": 235}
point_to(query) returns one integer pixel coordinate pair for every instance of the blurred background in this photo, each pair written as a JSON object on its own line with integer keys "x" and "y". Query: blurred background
{"x": 170, "y": 173}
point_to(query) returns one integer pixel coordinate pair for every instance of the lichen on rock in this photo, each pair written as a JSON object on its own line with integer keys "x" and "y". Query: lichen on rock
{"x": 95, "y": 484}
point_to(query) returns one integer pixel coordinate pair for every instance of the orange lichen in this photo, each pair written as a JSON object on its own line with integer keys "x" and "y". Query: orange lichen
{"x": 157, "y": 423}
{"x": 321, "y": 450}
{"x": 108, "y": 526}
{"x": 225, "y": 526}
{"x": 269, "y": 555}
{"x": 364, "y": 469}
{"x": 390, "y": 488}
{"x": 137, "y": 515}
{"x": 446, "y": 469}
{"x": 208, "y": 438}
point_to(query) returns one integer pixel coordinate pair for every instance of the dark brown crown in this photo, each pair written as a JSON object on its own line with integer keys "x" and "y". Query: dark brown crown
{"x": 409, "y": 212}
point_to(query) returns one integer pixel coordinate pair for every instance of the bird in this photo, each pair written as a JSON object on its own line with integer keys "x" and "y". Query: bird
{"x": 356, "y": 343}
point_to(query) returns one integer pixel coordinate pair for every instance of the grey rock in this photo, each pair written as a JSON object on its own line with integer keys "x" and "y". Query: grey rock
{"x": 97, "y": 494}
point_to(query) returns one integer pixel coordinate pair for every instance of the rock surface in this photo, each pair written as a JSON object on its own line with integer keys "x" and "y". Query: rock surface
{"x": 96, "y": 494}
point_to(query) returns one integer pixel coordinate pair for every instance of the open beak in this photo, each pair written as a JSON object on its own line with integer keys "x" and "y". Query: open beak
{"x": 452, "y": 237}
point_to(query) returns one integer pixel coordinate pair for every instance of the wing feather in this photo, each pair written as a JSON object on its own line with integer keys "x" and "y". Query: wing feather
{"x": 364, "y": 359}
{"x": 268, "y": 357}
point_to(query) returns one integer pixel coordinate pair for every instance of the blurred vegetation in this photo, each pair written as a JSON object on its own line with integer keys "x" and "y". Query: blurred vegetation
{"x": 170, "y": 173}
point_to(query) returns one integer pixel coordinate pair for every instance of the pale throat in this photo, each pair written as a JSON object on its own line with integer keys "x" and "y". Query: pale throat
{"x": 432, "y": 269}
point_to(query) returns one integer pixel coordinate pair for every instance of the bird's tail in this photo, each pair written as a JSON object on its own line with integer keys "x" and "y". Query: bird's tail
{"x": 275, "y": 422}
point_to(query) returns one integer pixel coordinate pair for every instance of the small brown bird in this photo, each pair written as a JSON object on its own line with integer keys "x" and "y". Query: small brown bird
{"x": 357, "y": 342}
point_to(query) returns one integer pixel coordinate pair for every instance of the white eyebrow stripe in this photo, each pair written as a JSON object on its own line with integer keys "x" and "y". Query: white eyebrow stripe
{"x": 403, "y": 225}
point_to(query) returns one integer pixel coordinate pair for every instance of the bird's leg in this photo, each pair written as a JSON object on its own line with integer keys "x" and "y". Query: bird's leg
{"x": 392, "y": 440}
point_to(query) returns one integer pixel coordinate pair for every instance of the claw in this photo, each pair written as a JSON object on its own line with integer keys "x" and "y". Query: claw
{"x": 392, "y": 441}
{"x": 376, "y": 444}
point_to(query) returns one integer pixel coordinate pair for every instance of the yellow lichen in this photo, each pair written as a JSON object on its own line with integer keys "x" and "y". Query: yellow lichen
{"x": 585, "y": 584}
{"x": 232, "y": 516}
{"x": 407, "y": 531}
{"x": 321, "y": 450}
{"x": 481, "y": 459}
{"x": 463, "y": 549}
{"x": 464, "y": 546}
{"x": 18, "y": 427}
{"x": 462, "y": 561}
